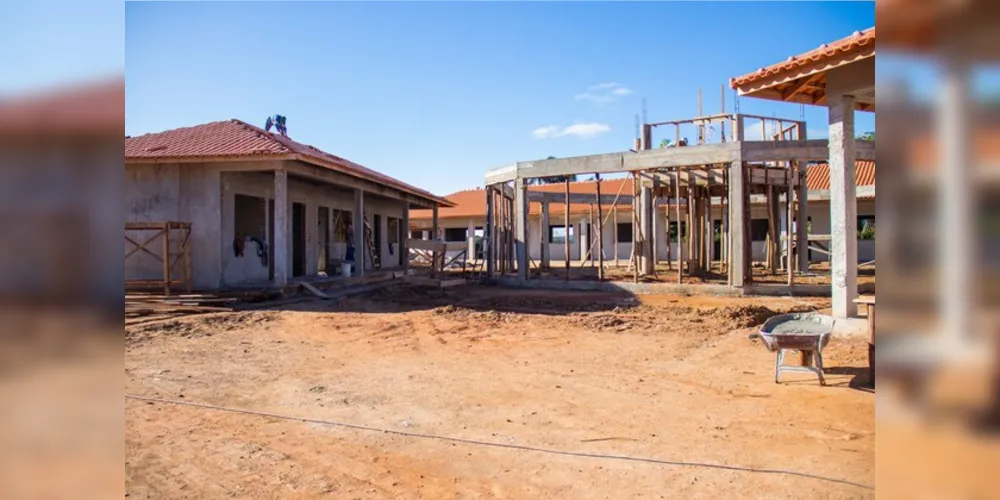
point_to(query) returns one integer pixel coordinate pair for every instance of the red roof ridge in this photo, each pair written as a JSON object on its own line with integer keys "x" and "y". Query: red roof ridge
{"x": 851, "y": 42}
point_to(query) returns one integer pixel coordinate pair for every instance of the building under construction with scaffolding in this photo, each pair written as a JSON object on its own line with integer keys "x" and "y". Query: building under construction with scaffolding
{"x": 723, "y": 171}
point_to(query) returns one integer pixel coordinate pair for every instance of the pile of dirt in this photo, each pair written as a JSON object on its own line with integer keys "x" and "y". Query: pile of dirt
{"x": 200, "y": 326}
{"x": 753, "y": 315}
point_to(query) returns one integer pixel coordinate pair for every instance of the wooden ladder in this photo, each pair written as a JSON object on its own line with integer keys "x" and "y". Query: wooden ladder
{"x": 373, "y": 255}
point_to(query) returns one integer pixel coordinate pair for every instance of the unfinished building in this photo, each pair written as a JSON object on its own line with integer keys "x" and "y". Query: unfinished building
{"x": 227, "y": 204}
{"x": 723, "y": 170}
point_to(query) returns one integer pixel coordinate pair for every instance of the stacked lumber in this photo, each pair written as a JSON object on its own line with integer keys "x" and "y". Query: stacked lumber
{"x": 142, "y": 308}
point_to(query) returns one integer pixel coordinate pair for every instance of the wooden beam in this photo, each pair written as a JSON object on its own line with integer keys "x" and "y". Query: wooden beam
{"x": 796, "y": 87}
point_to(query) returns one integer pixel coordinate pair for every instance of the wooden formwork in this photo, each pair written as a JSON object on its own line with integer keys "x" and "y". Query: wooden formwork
{"x": 174, "y": 240}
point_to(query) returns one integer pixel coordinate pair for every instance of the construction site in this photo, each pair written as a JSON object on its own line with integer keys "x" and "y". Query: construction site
{"x": 298, "y": 325}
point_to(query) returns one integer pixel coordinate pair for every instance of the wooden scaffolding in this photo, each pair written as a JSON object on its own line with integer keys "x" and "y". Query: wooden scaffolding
{"x": 169, "y": 244}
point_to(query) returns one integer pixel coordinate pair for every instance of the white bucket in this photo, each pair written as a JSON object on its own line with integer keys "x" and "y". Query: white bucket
{"x": 345, "y": 268}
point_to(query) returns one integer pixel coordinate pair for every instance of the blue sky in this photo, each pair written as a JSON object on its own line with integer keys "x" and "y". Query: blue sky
{"x": 436, "y": 93}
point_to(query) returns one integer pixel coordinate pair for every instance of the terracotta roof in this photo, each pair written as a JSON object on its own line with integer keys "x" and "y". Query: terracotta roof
{"x": 853, "y": 42}
{"x": 472, "y": 202}
{"x": 95, "y": 108}
{"x": 236, "y": 139}
{"x": 818, "y": 175}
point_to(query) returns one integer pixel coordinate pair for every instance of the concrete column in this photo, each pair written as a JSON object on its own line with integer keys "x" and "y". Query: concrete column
{"x": 645, "y": 229}
{"x": 658, "y": 232}
{"x": 404, "y": 243}
{"x": 279, "y": 248}
{"x": 359, "y": 232}
{"x": 583, "y": 238}
{"x": 544, "y": 251}
{"x": 802, "y": 216}
{"x": 843, "y": 207}
{"x": 521, "y": 227}
{"x": 737, "y": 224}
{"x": 436, "y": 231}
{"x": 490, "y": 233}
{"x": 470, "y": 237}
{"x": 425, "y": 235}
{"x": 956, "y": 201}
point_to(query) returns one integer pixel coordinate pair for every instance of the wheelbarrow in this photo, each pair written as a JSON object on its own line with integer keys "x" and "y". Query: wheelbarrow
{"x": 807, "y": 333}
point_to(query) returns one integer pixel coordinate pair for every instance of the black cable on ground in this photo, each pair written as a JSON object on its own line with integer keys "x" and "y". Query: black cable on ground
{"x": 497, "y": 445}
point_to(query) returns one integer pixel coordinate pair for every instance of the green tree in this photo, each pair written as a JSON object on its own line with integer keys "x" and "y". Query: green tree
{"x": 867, "y": 136}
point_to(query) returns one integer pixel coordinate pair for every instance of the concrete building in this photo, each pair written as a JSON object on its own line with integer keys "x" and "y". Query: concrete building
{"x": 840, "y": 76}
{"x": 263, "y": 208}
{"x": 466, "y": 220}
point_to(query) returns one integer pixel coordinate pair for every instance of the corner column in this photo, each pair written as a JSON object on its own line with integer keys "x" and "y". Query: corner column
{"x": 279, "y": 248}
{"x": 843, "y": 207}
{"x": 470, "y": 238}
{"x": 359, "y": 232}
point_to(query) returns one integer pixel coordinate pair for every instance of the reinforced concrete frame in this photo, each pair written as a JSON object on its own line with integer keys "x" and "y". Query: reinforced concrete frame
{"x": 725, "y": 174}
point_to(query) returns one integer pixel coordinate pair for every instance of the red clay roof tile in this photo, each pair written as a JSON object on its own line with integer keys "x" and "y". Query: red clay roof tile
{"x": 236, "y": 139}
{"x": 853, "y": 42}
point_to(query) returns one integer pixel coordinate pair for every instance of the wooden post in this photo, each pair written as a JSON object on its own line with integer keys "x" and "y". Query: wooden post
{"x": 614, "y": 228}
{"x": 710, "y": 236}
{"x": 490, "y": 232}
{"x": 520, "y": 214}
{"x": 566, "y": 230}
{"x": 166, "y": 258}
{"x": 666, "y": 218}
{"x": 680, "y": 246}
{"x": 600, "y": 231}
{"x": 590, "y": 237}
{"x": 545, "y": 264}
{"x": 790, "y": 230}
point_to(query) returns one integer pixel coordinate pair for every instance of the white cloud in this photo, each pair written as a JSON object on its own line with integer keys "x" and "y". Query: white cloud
{"x": 545, "y": 132}
{"x": 604, "y": 93}
{"x": 582, "y": 130}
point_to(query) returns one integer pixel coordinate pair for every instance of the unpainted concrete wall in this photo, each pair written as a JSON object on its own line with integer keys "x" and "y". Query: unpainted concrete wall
{"x": 204, "y": 195}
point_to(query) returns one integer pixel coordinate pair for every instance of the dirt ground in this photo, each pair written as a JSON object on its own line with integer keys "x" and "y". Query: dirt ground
{"x": 657, "y": 396}
{"x": 819, "y": 274}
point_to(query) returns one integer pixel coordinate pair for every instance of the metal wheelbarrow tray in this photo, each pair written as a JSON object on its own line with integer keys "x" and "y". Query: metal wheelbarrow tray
{"x": 808, "y": 333}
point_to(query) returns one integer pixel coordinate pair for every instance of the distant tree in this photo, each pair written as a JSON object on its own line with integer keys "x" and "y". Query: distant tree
{"x": 867, "y": 136}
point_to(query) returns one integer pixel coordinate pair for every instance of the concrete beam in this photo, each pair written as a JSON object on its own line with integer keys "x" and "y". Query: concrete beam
{"x": 810, "y": 149}
{"x": 502, "y": 174}
{"x": 680, "y": 156}
{"x": 604, "y": 163}
{"x": 327, "y": 176}
{"x": 582, "y": 198}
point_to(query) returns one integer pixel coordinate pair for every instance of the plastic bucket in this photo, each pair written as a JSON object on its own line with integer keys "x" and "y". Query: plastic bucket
{"x": 345, "y": 268}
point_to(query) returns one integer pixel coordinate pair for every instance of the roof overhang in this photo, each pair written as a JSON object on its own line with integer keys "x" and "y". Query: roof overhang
{"x": 804, "y": 78}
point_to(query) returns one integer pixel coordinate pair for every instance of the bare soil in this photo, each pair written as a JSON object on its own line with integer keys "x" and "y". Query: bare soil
{"x": 671, "y": 380}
